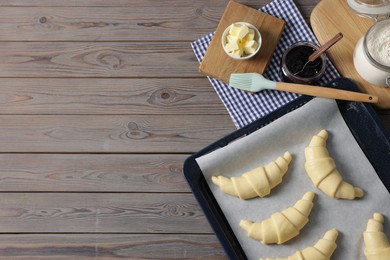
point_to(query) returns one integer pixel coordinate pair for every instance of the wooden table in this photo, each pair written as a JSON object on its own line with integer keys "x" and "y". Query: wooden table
{"x": 100, "y": 104}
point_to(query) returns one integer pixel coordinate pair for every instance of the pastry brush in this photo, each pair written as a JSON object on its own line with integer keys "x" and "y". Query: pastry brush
{"x": 254, "y": 82}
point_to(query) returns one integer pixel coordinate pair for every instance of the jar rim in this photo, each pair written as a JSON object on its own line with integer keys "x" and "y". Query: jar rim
{"x": 362, "y": 2}
{"x": 371, "y": 10}
{"x": 367, "y": 52}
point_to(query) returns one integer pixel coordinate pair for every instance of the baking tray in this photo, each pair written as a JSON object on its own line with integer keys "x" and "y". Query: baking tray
{"x": 362, "y": 121}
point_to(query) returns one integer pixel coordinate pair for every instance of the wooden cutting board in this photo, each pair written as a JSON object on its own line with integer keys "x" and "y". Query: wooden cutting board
{"x": 332, "y": 16}
{"x": 217, "y": 64}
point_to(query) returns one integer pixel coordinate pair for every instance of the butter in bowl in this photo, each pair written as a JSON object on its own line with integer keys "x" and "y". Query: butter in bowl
{"x": 241, "y": 41}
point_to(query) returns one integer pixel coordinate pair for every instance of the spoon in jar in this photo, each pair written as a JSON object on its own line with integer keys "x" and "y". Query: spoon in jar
{"x": 321, "y": 50}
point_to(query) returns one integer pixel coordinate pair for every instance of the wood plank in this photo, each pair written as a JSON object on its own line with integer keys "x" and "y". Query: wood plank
{"x": 109, "y": 246}
{"x": 148, "y": 21}
{"x": 325, "y": 22}
{"x": 140, "y": 22}
{"x": 126, "y": 3}
{"x": 101, "y": 213}
{"x": 129, "y": 23}
{"x": 139, "y": 95}
{"x": 108, "y": 96}
{"x": 92, "y": 173}
{"x": 203, "y": 8}
{"x": 305, "y": 6}
{"x": 111, "y": 133}
{"x": 100, "y": 59}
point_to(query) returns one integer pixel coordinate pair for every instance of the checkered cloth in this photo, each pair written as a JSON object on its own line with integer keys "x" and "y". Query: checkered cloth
{"x": 245, "y": 108}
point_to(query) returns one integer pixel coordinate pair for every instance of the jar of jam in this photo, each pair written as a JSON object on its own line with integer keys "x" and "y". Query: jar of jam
{"x": 294, "y": 60}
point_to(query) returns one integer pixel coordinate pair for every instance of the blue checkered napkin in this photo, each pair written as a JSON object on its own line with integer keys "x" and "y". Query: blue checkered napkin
{"x": 245, "y": 108}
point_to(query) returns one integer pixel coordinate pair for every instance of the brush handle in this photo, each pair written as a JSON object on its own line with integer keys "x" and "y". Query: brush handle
{"x": 326, "y": 92}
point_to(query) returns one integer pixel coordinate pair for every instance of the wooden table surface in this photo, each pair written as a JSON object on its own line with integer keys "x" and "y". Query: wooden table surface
{"x": 100, "y": 104}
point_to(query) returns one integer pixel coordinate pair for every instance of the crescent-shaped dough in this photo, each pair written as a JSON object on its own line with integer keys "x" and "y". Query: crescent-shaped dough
{"x": 322, "y": 250}
{"x": 257, "y": 182}
{"x": 322, "y": 170}
{"x": 282, "y": 226}
{"x": 377, "y": 244}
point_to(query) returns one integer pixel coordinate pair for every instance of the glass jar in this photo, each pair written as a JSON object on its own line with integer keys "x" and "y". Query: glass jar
{"x": 372, "y": 54}
{"x": 294, "y": 59}
{"x": 374, "y": 9}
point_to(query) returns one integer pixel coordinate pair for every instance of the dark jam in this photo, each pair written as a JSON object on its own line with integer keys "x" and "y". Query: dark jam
{"x": 296, "y": 59}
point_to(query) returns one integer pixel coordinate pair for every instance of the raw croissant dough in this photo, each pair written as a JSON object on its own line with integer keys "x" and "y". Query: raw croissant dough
{"x": 257, "y": 182}
{"x": 321, "y": 169}
{"x": 282, "y": 226}
{"x": 377, "y": 244}
{"x": 322, "y": 250}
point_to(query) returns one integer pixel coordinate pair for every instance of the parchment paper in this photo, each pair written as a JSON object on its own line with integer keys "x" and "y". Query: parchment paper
{"x": 292, "y": 133}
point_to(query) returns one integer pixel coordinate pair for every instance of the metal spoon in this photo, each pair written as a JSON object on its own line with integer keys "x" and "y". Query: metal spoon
{"x": 321, "y": 50}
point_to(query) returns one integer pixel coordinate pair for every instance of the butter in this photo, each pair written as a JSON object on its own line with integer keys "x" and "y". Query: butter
{"x": 231, "y": 46}
{"x": 240, "y": 41}
{"x": 230, "y": 38}
{"x": 238, "y": 53}
{"x": 250, "y": 35}
{"x": 250, "y": 46}
{"x": 239, "y": 31}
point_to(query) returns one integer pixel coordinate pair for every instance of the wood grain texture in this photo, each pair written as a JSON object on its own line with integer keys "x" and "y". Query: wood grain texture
{"x": 110, "y": 247}
{"x": 115, "y": 133}
{"x": 142, "y": 23}
{"x": 108, "y": 96}
{"x": 325, "y": 21}
{"x": 100, "y": 104}
{"x": 101, "y": 213}
{"x": 92, "y": 173}
{"x": 97, "y": 59}
{"x": 218, "y": 4}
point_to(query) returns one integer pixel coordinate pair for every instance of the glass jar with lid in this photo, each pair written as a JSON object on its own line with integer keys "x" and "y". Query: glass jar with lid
{"x": 372, "y": 52}
{"x": 374, "y": 9}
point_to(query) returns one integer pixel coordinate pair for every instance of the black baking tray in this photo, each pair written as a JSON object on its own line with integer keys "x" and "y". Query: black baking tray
{"x": 362, "y": 121}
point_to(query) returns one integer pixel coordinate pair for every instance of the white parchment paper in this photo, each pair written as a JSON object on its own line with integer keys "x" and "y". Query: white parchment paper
{"x": 292, "y": 133}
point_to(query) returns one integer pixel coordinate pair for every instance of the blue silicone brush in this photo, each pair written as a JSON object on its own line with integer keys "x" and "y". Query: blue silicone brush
{"x": 254, "y": 82}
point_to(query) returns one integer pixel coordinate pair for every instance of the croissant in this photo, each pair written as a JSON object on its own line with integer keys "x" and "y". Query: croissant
{"x": 322, "y": 250}
{"x": 322, "y": 171}
{"x": 377, "y": 244}
{"x": 282, "y": 226}
{"x": 257, "y": 182}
